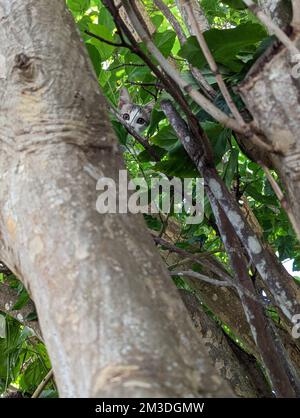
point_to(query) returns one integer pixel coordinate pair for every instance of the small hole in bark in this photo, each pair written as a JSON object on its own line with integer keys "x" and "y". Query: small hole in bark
{"x": 22, "y": 61}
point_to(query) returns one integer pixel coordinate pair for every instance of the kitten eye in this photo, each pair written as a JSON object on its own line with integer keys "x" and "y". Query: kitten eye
{"x": 126, "y": 116}
{"x": 141, "y": 121}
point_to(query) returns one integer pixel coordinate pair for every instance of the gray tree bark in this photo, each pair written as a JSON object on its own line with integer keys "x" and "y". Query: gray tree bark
{"x": 271, "y": 93}
{"x": 112, "y": 321}
{"x": 279, "y": 10}
{"x": 236, "y": 366}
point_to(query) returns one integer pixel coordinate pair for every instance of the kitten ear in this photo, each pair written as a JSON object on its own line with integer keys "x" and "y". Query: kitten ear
{"x": 149, "y": 106}
{"x": 124, "y": 97}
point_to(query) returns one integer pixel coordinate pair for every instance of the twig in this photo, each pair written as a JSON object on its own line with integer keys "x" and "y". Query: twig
{"x": 282, "y": 199}
{"x": 106, "y": 41}
{"x": 172, "y": 20}
{"x": 191, "y": 273}
{"x": 141, "y": 83}
{"x": 126, "y": 65}
{"x": 268, "y": 22}
{"x": 42, "y": 385}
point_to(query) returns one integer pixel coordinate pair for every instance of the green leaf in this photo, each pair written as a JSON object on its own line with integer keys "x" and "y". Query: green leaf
{"x": 104, "y": 49}
{"x": 120, "y": 131}
{"x": 105, "y": 19}
{"x": 95, "y": 58}
{"x": 164, "y": 41}
{"x": 78, "y": 6}
{"x": 231, "y": 167}
{"x": 225, "y": 45}
{"x": 219, "y": 139}
{"x": 22, "y": 300}
{"x": 165, "y": 138}
{"x": 258, "y": 196}
{"x": 178, "y": 165}
{"x": 156, "y": 117}
{"x": 157, "y": 20}
{"x": 32, "y": 376}
{"x": 235, "y": 4}
{"x": 152, "y": 222}
{"x": 144, "y": 156}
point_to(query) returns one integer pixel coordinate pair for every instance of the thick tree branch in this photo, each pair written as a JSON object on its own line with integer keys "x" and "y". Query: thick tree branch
{"x": 269, "y": 350}
{"x": 93, "y": 276}
{"x": 286, "y": 294}
{"x": 296, "y": 15}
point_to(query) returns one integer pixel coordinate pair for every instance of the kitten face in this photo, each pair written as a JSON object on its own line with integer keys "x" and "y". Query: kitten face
{"x": 138, "y": 117}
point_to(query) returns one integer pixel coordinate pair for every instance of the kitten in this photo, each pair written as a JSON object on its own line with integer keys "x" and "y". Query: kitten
{"x": 135, "y": 115}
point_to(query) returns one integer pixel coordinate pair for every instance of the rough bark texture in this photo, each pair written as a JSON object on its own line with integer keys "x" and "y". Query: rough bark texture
{"x": 279, "y": 10}
{"x": 229, "y": 226}
{"x": 271, "y": 92}
{"x": 235, "y": 365}
{"x": 198, "y": 12}
{"x": 112, "y": 321}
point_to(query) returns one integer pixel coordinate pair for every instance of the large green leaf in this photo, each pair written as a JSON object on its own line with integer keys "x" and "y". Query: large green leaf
{"x": 164, "y": 41}
{"x": 225, "y": 45}
{"x": 166, "y": 138}
{"x": 104, "y": 49}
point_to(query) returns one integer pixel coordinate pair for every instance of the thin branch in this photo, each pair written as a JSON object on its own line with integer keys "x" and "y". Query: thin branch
{"x": 42, "y": 385}
{"x": 282, "y": 199}
{"x": 268, "y": 22}
{"x": 212, "y": 63}
{"x": 172, "y": 20}
{"x": 106, "y": 41}
{"x": 126, "y": 65}
{"x": 141, "y": 83}
{"x": 191, "y": 273}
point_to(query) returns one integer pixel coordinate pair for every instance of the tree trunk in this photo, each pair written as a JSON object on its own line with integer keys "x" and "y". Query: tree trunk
{"x": 271, "y": 93}
{"x": 235, "y": 365}
{"x": 279, "y": 10}
{"x": 113, "y": 322}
